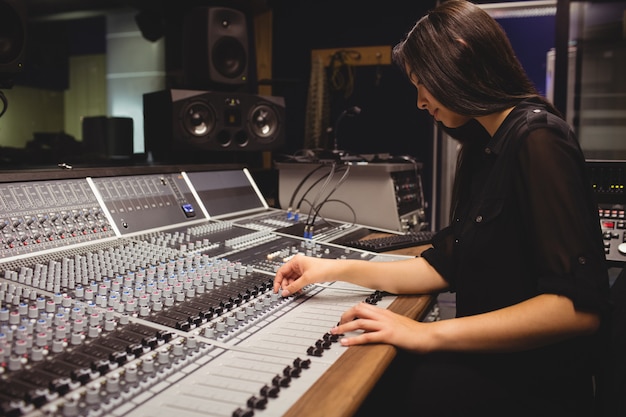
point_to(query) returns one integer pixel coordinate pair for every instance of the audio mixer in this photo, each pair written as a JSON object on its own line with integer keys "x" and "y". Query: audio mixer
{"x": 151, "y": 294}
{"x": 608, "y": 179}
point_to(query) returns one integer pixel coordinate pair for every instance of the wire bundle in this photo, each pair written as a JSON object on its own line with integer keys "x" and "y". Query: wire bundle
{"x": 320, "y": 198}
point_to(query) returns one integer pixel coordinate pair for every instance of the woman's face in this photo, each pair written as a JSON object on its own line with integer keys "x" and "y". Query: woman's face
{"x": 426, "y": 101}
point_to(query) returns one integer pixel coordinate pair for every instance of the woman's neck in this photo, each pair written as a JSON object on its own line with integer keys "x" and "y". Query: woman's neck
{"x": 492, "y": 122}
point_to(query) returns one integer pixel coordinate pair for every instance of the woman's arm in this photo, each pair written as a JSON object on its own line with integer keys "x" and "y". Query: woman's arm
{"x": 539, "y": 321}
{"x": 410, "y": 276}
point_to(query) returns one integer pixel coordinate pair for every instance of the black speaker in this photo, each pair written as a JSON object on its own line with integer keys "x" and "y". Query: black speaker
{"x": 12, "y": 40}
{"x": 180, "y": 124}
{"x": 108, "y": 137}
{"x": 216, "y": 54}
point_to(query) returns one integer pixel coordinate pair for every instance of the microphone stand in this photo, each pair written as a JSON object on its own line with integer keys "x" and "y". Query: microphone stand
{"x": 350, "y": 112}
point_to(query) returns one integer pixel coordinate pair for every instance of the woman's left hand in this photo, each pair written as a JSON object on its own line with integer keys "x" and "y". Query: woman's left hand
{"x": 379, "y": 325}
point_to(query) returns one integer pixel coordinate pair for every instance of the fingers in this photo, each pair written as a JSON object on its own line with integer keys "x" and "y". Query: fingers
{"x": 364, "y": 318}
{"x": 278, "y": 280}
{"x": 362, "y": 310}
{"x": 288, "y": 276}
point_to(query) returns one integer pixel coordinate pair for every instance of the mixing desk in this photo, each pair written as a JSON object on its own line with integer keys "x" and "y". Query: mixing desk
{"x": 126, "y": 296}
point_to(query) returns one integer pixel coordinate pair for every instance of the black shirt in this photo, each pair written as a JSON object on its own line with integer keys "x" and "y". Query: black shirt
{"x": 526, "y": 223}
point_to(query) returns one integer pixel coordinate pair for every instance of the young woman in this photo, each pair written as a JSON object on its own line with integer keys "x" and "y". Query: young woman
{"x": 523, "y": 251}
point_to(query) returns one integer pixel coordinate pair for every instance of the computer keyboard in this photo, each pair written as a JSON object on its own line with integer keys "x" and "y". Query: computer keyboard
{"x": 392, "y": 242}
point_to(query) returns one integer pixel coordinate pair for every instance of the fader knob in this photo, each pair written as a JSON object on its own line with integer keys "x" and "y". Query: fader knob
{"x": 70, "y": 406}
{"x": 15, "y": 363}
{"x": 130, "y": 375}
{"x": 209, "y": 332}
{"x": 148, "y": 365}
{"x": 163, "y": 357}
{"x": 113, "y": 383}
{"x": 270, "y": 391}
{"x": 92, "y": 394}
{"x": 177, "y": 349}
{"x": 36, "y": 354}
{"x": 192, "y": 342}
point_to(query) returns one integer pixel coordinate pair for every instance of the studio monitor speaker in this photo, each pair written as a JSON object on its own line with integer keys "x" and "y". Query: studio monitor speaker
{"x": 12, "y": 40}
{"x": 215, "y": 49}
{"x": 181, "y": 124}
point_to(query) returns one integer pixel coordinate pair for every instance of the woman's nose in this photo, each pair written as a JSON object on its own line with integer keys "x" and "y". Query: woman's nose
{"x": 421, "y": 102}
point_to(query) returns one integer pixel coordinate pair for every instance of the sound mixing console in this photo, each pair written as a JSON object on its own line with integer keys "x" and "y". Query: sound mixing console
{"x": 613, "y": 223}
{"x": 151, "y": 294}
{"x": 608, "y": 179}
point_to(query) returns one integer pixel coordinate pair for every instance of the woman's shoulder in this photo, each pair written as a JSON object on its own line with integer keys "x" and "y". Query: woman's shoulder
{"x": 535, "y": 113}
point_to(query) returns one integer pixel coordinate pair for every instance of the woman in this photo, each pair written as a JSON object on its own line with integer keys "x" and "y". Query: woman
{"x": 523, "y": 251}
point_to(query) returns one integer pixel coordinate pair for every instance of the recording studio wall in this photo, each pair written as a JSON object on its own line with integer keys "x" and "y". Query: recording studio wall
{"x": 389, "y": 121}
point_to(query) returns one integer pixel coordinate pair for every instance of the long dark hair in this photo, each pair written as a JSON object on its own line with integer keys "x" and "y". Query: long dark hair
{"x": 464, "y": 58}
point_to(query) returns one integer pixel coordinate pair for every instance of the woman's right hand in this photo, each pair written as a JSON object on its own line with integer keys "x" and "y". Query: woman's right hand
{"x": 301, "y": 271}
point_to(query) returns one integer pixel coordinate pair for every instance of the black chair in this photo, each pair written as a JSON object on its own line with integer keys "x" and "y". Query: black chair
{"x": 611, "y": 379}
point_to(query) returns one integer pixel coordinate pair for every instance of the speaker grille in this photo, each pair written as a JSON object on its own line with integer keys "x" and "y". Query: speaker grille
{"x": 230, "y": 58}
{"x": 264, "y": 122}
{"x": 198, "y": 118}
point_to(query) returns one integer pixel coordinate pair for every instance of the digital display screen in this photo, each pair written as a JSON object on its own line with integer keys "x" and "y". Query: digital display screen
{"x": 189, "y": 210}
{"x": 225, "y": 192}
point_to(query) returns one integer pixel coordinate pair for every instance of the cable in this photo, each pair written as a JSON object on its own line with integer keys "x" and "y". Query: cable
{"x": 335, "y": 188}
{"x": 348, "y": 206}
{"x": 332, "y": 222}
{"x": 311, "y": 222}
{"x": 5, "y": 103}
{"x": 310, "y": 188}
{"x": 338, "y": 62}
{"x": 297, "y": 189}
{"x": 329, "y": 177}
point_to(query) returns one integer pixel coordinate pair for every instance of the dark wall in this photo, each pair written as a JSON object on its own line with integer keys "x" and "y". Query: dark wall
{"x": 50, "y": 45}
{"x": 389, "y": 121}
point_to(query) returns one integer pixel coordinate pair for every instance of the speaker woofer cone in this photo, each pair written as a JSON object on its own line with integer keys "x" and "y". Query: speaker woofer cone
{"x": 229, "y": 57}
{"x": 198, "y": 119}
{"x": 263, "y": 122}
